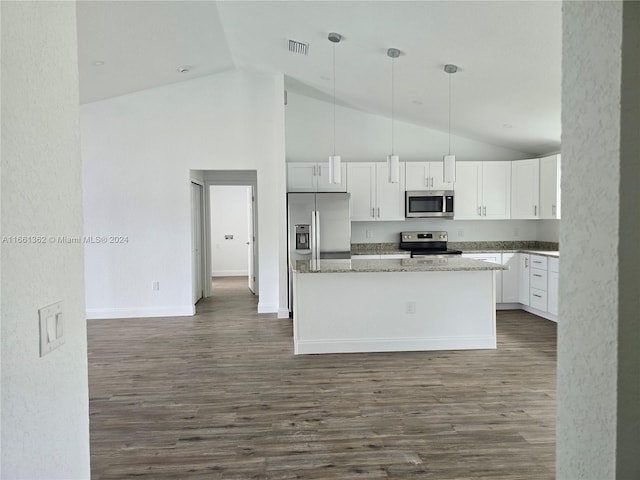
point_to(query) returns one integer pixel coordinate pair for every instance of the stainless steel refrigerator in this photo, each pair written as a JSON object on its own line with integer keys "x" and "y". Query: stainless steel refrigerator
{"x": 319, "y": 227}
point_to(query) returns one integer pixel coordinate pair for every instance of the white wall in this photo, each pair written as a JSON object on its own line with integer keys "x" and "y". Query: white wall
{"x": 363, "y": 136}
{"x": 137, "y": 151}
{"x": 548, "y": 230}
{"x": 229, "y": 216}
{"x": 459, "y": 230}
{"x": 45, "y": 405}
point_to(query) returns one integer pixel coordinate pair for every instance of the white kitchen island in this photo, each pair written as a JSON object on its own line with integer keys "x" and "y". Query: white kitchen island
{"x": 342, "y": 306}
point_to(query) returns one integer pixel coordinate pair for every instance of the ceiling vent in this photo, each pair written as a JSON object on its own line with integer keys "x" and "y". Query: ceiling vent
{"x": 298, "y": 47}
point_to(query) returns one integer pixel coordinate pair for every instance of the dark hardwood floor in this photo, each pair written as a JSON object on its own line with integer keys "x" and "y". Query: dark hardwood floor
{"x": 221, "y": 396}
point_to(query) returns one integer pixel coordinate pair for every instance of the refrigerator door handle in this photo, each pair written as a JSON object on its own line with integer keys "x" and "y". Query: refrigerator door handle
{"x": 313, "y": 235}
{"x": 317, "y": 252}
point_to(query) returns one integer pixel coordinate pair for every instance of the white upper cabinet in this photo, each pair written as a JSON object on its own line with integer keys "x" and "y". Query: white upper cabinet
{"x": 313, "y": 177}
{"x": 425, "y": 176}
{"x": 483, "y": 190}
{"x": 525, "y": 189}
{"x": 550, "y": 187}
{"x": 373, "y": 198}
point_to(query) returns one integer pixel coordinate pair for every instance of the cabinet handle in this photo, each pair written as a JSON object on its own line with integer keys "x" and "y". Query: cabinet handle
{"x": 539, "y": 296}
{"x": 426, "y": 181}
{"x": 536, "y": 275}
{"x": 432, "y": 181}
{"x": 319, "y": 171}
{"x": 484, "y": 210}
{"x": 526, "y": 262}
{"x": 378, "y": 212}
{"x": 480, "y": 211}
{"x": 314, "y": 171}
{"x": 553, "y": 210}
{"x": 535, "y": 210}
{"x": 373, "y": 212}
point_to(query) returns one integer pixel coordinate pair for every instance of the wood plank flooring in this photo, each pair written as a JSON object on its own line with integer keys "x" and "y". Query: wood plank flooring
{"x": 221, "y": 396}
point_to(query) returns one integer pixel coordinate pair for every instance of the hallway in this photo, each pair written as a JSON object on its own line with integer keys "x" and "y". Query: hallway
{"x": 220, "y": 396}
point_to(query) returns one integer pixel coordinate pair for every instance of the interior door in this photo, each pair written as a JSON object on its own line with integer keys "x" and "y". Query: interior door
{"x": 196, "y": 240}
{"x": 251, "y": 240}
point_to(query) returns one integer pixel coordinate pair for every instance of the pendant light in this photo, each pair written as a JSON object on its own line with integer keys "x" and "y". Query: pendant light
{"x": 335, "y": 172}
{"x": 449, "y": 160}
{"x": 393, "y": 160}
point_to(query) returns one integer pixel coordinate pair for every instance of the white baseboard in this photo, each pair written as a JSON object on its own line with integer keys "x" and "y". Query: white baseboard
{"x": 394, "y": 345}
{"x": 142, "y": 312}
{"x": 508, "y": 306}
{"x": 283, "y": 313}
{"x": 540, "y": 313}
{"x": 229, "y": 273}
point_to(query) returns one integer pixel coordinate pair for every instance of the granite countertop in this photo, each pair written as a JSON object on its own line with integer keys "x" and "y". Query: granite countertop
{"x": 535, "y": 247}
{"x": 439, "y": 264}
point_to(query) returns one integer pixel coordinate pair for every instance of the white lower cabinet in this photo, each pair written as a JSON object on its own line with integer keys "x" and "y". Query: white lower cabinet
{"x": 492, "y": 258}
{"x": 511, "y": 278}
{"x": 552, "y": 286}
{"x": 524, "y": 271}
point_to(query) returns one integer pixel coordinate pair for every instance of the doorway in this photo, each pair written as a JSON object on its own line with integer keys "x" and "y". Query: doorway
{"x": 231, "y": 220}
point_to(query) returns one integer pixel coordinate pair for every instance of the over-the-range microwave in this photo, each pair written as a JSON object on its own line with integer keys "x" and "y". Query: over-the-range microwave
{"x": 420, "y": 204}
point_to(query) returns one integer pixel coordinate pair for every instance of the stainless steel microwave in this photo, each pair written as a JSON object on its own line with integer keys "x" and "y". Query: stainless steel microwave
{"x": 420, "y": 204}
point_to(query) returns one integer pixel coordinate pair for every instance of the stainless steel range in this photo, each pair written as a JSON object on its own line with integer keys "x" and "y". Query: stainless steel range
{"x": 426, "y": 244}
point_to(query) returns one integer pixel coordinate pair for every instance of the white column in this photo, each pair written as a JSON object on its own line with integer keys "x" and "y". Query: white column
{"x": 599, "y": 325}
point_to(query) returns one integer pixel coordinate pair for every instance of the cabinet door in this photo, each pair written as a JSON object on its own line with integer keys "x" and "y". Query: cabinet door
{"x": 525, "y": 187}
{"x": 390, "y": 196}
{"x": 511, "y": 278}
{"x": 523, "y": 284}
{"x": 550, "y": 187}
{"x": 492, "y": 258}
{"x": 323, "y": 178}
{"x": 417, "y": 176}
{"x": 302, "y": 177}
{"x": 496, "y": 190}
{"x": 436, "y": 171}
{"x": 467, "y": 191}
{"x": 361, "y": 183}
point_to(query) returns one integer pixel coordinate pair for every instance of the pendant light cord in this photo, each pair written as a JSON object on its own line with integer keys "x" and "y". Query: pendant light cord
{"x": 449, "y": 114}
{"x": 392, "y": 103}
{"x": 334, "y": 99}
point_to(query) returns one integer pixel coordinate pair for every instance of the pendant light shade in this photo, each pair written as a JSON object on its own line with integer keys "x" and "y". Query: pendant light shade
{"x": 393, "y": 166}
{"x": 335, "y": 169}
{"x": 335, "y": 164}
{"x": 393, "y": 160}
{"x": 449, "y": 161}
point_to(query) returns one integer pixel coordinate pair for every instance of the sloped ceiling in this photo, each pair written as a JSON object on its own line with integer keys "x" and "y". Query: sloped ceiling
{"x": 506, "y": 92}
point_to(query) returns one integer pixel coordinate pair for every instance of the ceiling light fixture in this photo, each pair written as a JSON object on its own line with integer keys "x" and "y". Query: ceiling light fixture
{"x": 449, "y": 161}
{"x": 184, "y": 69}
{"x": 393, "y": 160}
{"x": 335, "y": 164}
{"x": 98, "y": 63}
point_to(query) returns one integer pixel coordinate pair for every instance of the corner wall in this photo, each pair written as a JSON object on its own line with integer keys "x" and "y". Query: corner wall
{"x": 137, "y": 153}
{"x": 45, "y": 404}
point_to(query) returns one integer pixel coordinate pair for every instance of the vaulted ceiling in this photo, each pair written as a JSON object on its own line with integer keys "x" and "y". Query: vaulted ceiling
{"x": 506, "y": 91}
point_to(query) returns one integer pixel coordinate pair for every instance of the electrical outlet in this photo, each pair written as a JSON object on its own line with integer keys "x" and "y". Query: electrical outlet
{"x": 51, "y": 327}
{"x": 460, "y": 233}
{"x": 368, "y": 233}
{"x": 411, "y": 307}
{"x": 155, "y": 286}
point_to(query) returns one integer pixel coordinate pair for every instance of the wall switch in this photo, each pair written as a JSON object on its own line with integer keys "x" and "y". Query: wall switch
{"x": 155, "y": 286}
{"x": 51, "y": 327}
{"x": 368, "y": 233}
{"x": 411, "y": 307}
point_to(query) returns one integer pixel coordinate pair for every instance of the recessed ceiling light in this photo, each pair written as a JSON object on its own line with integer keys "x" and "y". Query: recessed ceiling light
{"x": 416, "y": 102}
{"x": 98, "y": 63}
{"x": 507, "y": 125}
{"x": 184, "y": 68}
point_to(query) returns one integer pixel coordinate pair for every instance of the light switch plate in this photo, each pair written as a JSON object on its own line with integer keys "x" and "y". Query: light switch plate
{"x": 51, "y": 327}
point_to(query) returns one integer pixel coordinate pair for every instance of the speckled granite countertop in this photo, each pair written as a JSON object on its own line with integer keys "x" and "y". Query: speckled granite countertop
{"x": 446, "y": 264}
{"x": 548, "y": 249}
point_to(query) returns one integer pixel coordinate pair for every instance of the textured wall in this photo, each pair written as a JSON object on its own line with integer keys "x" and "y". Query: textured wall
{"x": 597, "y": 237}
{"x": 45, "y": 421}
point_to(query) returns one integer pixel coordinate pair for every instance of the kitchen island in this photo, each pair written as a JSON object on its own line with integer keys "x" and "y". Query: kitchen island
{"x": 442, "y": 303}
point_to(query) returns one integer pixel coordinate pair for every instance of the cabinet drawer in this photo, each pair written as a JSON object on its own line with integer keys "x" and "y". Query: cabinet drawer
{"x": 554, "y": 264}
{"x": 539, "y": 261}
{"x": 539, "y": 299}
{"x": 539, "y": 279}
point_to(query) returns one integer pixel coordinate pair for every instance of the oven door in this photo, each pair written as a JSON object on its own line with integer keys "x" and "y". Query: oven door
{"x": 428, "y": 204}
